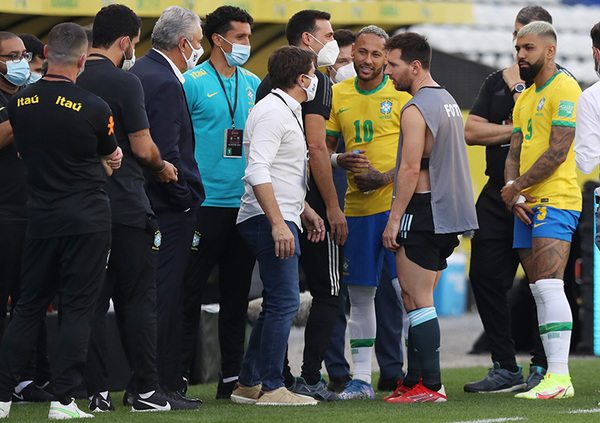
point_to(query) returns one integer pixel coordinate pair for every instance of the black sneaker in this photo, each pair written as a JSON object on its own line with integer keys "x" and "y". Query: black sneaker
{"x": 158, "y": 401}
{"x": 180, "y": 395}
{"x": 98, "y": 404}
{"x": 338, "y": 384}
{"x": 181, "y": 403}
{"x": 498, "y": 380}
{"x": 224, "y": 389}
{"x": 32, "y": 393}
{"x": 128, "y": 399}
{"x": 318, "y": 391}
{"x": 389, "y": 384}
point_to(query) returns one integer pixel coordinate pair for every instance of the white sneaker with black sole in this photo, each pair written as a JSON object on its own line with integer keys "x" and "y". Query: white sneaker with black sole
{"x": 59, "y": 411}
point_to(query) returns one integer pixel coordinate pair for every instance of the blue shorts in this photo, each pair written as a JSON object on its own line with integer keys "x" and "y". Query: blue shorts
{"x": 547, "y": 222}
{"x": 364, "y": 251}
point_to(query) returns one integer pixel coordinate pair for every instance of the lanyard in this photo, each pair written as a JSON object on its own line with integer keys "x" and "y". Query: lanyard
{"x": 231, "y": 110}
{"x": 294, "y": 114}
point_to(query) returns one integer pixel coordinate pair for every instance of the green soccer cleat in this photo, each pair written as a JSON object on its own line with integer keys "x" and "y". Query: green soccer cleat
{"x": 552, "y": 386}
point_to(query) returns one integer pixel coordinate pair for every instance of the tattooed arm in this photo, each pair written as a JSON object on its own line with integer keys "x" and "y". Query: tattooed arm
{"x": 561, "y": 138}
{"x": 147, "y": 153}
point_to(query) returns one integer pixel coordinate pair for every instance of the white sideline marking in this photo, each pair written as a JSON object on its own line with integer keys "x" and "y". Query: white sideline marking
{"x": 501, "y": 419}
{"x": 583, "y": 411}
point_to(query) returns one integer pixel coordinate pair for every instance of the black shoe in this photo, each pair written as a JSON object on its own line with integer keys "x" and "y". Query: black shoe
{"x": 389, "y": 384}
{"x": 158, "y": 401}
{"x": 225, "y": 389}
{"x": 180, "y": 396}
{"x": 32, "y": 393}
{"x": 181, "y": 403}
{"x": 98, "y": 404}
{"x": 338, "y": 384}
{"x": 128, "y": 399}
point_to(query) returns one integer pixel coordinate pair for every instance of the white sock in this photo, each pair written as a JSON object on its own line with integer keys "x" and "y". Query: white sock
{"x": 363, "y": 326}
{"x": 22, "y": 385}
{"x": 559, "y": 325}
{"x": 541, "y": 312}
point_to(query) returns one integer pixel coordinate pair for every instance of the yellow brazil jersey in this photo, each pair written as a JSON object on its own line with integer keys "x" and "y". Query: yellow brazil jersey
{"x": 368, "y": 120}
{"x": 536, "y": 111}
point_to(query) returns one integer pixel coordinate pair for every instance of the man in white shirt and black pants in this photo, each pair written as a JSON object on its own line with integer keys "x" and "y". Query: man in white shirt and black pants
{"x": 271, "y": 215}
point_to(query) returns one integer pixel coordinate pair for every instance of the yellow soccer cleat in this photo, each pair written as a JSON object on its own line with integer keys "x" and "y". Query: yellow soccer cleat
{"x": 552, "y": 386}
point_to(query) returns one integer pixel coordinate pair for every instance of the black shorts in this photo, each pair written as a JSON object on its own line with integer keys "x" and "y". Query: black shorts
{"x": 421, "y": 245}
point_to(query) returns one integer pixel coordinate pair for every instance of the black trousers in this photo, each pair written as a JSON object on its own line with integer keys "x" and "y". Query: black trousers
{"x": 322, "y": 265}
{"x": 131, "y": 283}
{"x": 72, "y": 267}
{"x": 177, "y": 231}
{"x": 493, "y": 266}
{"x": 12, "y": 237}
{"x": 217, "y": 242}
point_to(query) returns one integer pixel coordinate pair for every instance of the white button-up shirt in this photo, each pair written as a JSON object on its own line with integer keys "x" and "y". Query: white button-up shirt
{"x": 276, "y": 153}
{"x": 587, "y": 130}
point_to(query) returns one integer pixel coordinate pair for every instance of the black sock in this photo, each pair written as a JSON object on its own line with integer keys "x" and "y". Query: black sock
{"x": 413, "y": 373}
{"x": 426, "y": 340}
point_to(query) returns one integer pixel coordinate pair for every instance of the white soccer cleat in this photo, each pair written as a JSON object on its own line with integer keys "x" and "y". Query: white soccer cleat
{"x": 4, "y": 409}
{"x": 59, "y": 411}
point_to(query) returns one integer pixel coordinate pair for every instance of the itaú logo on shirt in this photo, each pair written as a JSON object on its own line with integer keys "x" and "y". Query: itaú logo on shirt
{"x": 62, "y": 101}
{"x": 28, "y": 100}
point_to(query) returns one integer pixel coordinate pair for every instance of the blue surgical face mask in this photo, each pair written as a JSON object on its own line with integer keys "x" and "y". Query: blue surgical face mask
{"x": 239, "y": 53}
{"x": 17, "y": 73}
{"x": 35, "y": 77}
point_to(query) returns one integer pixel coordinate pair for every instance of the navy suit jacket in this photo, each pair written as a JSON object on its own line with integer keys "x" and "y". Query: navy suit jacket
{"x": 172, "y": 131}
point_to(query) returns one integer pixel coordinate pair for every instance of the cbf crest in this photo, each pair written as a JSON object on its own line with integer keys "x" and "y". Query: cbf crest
{"x": 196, "y": 241}
{"x": 250, "y": 93}
{"x": 157, "y": 240}
{"x": 541, "y": 104}
{"x": 385, "y": 107}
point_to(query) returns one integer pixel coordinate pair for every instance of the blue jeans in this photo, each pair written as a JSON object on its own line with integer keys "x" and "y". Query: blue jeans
{"x": 263, "y": 361}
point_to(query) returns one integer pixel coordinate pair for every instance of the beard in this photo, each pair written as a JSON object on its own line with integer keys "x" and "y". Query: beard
{"x": 530, "y": 72}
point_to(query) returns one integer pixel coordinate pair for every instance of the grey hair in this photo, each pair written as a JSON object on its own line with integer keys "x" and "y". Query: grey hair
{"x": 375, "y": 30}
{"x": 540, "y": 28}
{"x": 174, "y": 24}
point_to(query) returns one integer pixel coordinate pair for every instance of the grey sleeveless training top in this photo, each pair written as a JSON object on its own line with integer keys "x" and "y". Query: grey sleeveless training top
{"x": 452, "y": 200}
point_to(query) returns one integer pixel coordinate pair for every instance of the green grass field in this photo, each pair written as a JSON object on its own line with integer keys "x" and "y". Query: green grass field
{"x": 461, "y": 407}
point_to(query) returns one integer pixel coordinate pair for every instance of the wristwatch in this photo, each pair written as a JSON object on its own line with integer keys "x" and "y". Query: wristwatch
{"x": 518, "y": 88}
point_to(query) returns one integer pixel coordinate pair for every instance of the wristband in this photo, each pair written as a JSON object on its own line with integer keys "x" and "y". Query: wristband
{"x": 334, "y": 160}
{"x": 521, "y": 199}
{"x": 510, "y": 183}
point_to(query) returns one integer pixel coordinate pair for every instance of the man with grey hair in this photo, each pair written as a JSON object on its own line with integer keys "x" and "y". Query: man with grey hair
{"x": 542, "y": 192}
{"x": 66, "y": 156}
{"x": 490, "y": 124}
{"x": 366, "y": 112}
{"x": 175, "y": 48}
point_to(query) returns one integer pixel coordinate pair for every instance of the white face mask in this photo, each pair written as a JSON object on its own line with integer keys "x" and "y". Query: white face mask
{"x": 128, "y": 63}
{"x": 514, "y": 50}
{"x": 311, "y": 91}
{"x": 596, "y": 62}
{"x": 344, "y": 72}
{"x": 328, "y": 54}
{"x": 191, "y": 61}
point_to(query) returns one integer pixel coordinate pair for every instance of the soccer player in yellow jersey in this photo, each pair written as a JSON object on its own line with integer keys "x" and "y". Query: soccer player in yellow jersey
{"x": 541, "y": 189}
{"x": 366, "y": 111}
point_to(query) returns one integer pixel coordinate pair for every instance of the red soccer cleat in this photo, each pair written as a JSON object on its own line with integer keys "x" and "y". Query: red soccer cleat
{"x": 420, "y": 393}
{"x": 400, "y": 390}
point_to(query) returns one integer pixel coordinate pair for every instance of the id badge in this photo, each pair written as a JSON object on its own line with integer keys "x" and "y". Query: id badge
{"x": 232, "y": 147}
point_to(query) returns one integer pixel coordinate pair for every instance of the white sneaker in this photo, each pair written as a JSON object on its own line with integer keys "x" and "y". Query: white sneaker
{"x": 59, "y": 411}
{"x": 4, "y": 409}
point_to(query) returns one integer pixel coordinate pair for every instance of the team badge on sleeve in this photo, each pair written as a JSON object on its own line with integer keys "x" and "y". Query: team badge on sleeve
{"x": 566, "y": 109}
{"x": 196, "y": 241}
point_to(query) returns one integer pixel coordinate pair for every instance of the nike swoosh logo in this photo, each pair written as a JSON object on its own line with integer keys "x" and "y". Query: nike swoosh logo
{"x": 74, "y": 415}
{"x": 535, "y": 225}
{"x": 544, "y": 395}
{"x": 2, "y": 108}
{"x": 18, "y": 396}
{"x": 212, "y": 95}
{"x": 157, "y": 407}
{"x": 340, "y": 111}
